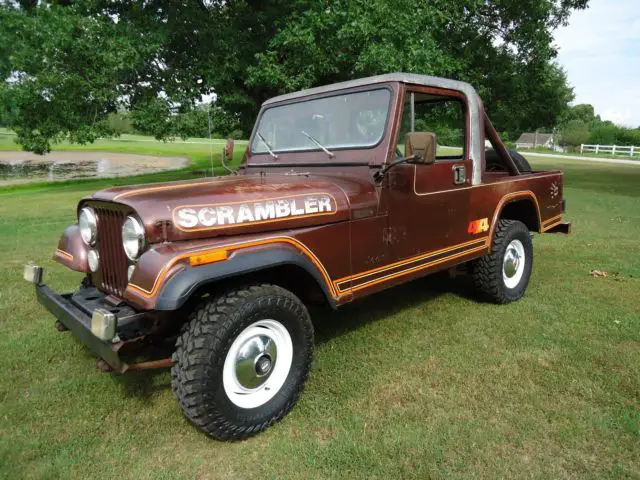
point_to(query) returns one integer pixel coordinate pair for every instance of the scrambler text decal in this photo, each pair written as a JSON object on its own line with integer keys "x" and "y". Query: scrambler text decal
{"x": 225, "y": 215}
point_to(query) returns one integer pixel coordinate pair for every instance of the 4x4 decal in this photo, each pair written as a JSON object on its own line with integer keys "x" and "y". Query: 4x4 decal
{"x": 478, "y": 226}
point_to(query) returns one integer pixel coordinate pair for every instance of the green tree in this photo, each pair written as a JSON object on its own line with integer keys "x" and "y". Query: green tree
{"x": 608, "y": 133}
{"x": 68, "y": 64}
{"x": 156, "y": 118}
{"x": 605, "y": 133}
{"x": 602, "y": 132}
{"x": 583, "y": 112}
{"x": 574, "y": 133}
{"x": 505, "y": 51}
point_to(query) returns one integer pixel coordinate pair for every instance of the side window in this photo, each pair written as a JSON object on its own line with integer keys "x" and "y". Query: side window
{"x": 444, "y": 116}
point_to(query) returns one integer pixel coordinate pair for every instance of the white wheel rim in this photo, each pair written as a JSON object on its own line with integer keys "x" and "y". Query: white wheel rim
{"x": 257, "y": 364}
{"x": 513, "y": 264}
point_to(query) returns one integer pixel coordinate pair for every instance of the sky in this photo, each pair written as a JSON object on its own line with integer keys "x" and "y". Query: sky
{"x": 600, "y": 50}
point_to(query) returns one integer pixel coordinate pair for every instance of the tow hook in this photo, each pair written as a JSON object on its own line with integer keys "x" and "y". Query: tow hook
{"x": 61, "y": 327}
{"x": 104, "y": 366}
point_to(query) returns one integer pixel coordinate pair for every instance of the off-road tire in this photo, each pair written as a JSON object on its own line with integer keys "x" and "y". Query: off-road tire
{"x": 202, "y": 347}
{"x": 487, "y": 271}
{"x": 522, "y": 163}
{"x": 494, "y": 162}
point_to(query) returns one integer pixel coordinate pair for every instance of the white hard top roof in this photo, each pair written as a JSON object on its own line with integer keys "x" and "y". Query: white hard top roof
{"x": 411, "y": 78}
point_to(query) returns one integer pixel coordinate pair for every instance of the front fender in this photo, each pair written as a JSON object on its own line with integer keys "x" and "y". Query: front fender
{"x": 72, "y": 251}
{"x": 177, "y": 290}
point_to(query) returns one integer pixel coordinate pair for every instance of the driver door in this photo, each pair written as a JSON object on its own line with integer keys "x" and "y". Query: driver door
{"x": 429, "y": 203}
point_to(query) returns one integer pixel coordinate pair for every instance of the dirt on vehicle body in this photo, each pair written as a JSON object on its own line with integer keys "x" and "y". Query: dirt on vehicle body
{"x": 344, "y": 190}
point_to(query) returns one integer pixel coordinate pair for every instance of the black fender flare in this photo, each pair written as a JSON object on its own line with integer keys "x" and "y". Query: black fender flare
{"x": 177, "y": 290}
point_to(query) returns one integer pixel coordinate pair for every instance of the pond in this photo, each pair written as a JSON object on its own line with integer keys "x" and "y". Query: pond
{"x": 25, "y": 167}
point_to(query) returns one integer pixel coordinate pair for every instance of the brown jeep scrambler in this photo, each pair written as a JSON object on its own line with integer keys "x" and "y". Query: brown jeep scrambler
{"x": 344, "y": 190}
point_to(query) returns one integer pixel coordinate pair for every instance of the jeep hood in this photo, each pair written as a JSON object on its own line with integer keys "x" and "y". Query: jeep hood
{"x": 242, "y": 204}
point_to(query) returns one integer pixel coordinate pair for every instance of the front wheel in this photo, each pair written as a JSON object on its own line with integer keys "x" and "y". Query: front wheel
{"x": 242, "y": 360}
{"x": 503, "y": 274}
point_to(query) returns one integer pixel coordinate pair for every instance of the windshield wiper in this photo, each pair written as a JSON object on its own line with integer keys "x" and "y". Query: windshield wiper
{"x": 331, "y": 155}
{"x": 267, "y": 145}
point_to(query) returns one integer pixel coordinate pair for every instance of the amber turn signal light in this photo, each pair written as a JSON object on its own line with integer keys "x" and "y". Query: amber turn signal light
{"x": 205, "y": 258}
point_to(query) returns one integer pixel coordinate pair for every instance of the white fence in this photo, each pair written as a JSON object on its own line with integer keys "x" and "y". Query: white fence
{"x": 610, "y": 150}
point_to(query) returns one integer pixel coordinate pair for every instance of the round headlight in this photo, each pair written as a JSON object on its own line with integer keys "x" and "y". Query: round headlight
{"x": 130, "y": 271}
{"x": 94, "y": 260}
{"x": 132, "y": 238}
{"x": 88, "y": 223}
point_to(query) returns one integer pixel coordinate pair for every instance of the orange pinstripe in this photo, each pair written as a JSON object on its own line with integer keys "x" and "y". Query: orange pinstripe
{"x": 408, "y": 260}
{"x": 64, "y": 254}
{"x": 552, "y": 219}
{"x": 549, "y": 227}
{"x": 509, "y": 196}
{"x": 417, "y": 268}
{"x": 231, "y": 248}
{"x": 168, "y": 187}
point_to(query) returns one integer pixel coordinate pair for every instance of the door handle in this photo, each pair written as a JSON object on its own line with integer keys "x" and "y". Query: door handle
{"x": 459, "y": 174}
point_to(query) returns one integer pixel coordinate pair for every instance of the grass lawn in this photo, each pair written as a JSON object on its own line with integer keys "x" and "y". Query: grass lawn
{"x": 417, "y": 382}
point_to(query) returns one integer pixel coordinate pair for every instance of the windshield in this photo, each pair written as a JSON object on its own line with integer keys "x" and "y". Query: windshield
{"x": 341, "y": 121}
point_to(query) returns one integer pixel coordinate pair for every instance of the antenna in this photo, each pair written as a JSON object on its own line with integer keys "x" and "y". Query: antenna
{"x": 213, "y": 173}
{"x": 223, "y": 160}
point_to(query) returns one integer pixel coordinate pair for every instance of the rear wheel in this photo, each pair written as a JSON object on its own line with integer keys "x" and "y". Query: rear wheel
{"x": 503, "y": 274}
{"x": 242, "y": 360}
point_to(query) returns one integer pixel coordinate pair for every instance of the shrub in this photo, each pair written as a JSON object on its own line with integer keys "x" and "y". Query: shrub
{"x": 119, "y": 123}
{"x": 574, "y": 133}
{"x": 237, "y": 134}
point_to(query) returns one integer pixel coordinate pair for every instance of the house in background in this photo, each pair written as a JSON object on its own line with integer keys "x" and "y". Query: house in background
{"x": 535, "y": 139}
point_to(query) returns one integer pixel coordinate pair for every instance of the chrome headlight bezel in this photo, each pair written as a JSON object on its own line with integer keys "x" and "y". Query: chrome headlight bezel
{"x": 133, "y": 238}
{"x": 88, "y": 225}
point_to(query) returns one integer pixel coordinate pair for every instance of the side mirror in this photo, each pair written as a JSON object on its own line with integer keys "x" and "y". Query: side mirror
{"x": 228, "y": 148}
{"x": 421, "y": 144}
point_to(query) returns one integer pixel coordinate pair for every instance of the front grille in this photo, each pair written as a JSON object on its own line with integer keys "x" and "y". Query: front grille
{"x": 112, "y": 273}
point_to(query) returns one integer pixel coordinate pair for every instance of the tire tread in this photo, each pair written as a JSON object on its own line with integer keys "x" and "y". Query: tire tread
{"x": 487, "y": 270}
{"x": 205, "y": 331}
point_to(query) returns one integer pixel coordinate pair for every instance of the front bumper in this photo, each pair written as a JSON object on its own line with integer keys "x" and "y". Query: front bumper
{"x": 79, "y": 322}
{"x": 78, "y": 313}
